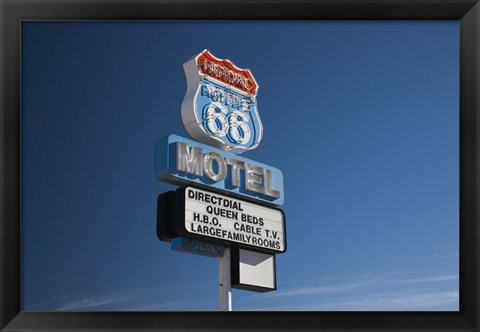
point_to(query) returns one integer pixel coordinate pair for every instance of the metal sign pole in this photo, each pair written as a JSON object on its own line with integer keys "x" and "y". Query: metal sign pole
{"x": 225, "y": 283}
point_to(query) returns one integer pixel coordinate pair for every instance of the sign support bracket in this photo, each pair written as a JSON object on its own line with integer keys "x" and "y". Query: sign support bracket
{"x": 225, "y": 282}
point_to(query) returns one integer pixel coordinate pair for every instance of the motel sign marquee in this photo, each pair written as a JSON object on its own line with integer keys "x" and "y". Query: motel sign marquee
{"x": 224, "y": 200}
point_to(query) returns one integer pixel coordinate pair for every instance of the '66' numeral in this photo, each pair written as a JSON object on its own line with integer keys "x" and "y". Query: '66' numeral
{"x": 220, "y": 123}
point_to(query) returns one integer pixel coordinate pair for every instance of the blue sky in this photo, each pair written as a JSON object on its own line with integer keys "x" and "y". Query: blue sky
{"x": 361, "y": 117}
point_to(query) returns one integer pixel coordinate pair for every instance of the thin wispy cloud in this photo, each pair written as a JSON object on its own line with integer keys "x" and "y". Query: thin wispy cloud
{"x": 430, "y": 279}
{"x": 362, "y": 282}
{"x": 379, "y": 302}
{"x": 94, "y": 302}
{"x": 87, "y": 303}
{"x": 315, "y": 290}
{"x": 411, "y": 301}
{"x": 429, "y": 257}
{"x": 131, "y": 299}
{"x": 362, "y": 292}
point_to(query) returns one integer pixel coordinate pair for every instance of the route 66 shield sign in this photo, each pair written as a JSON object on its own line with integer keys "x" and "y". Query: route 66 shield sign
{"x": 220, "y": 106}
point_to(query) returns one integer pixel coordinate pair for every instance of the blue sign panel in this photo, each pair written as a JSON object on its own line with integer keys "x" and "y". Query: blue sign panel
{"x": 183, "y": 161}
{"x": 193, "y": 246}
{"x": 228, "y": 115}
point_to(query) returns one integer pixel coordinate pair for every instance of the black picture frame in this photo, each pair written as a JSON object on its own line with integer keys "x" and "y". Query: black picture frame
{"x": 13, "y": 12}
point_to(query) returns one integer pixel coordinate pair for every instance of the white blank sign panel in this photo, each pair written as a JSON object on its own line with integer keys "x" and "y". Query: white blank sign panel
{"x": 253, "y": 270}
